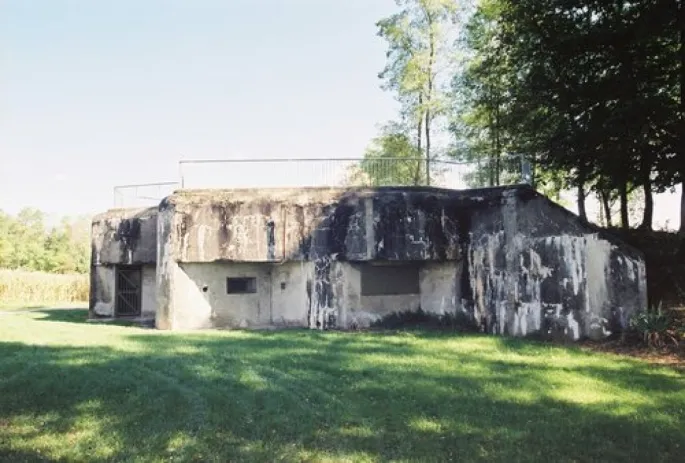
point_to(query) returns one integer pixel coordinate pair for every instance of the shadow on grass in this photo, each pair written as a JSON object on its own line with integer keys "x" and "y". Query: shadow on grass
{"x": 80, "y": 316}
{"x": 301, "y": 395}
{"x": 19, "y": 308}
{"x": 65, "y": 315}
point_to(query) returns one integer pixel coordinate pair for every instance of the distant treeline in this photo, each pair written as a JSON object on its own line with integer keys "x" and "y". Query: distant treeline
{"x": 28, "y": 243}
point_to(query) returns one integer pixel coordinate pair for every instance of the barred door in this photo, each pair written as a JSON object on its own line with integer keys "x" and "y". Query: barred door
{"x": 128, "y": 291}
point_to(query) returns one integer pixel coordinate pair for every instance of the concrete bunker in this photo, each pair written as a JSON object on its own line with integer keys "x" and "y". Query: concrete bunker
{"x": 338, "y": 258}
{"x": 124, "y": 264}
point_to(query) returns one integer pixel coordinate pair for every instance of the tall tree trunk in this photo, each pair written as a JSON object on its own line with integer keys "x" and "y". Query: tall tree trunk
{"x": 646, "y": 163}
{"x": 623, "y": 194}
{"x": 491, "y": 157}
{"x": 580, "y": 197}
{"x": 498, "y": 143}
{"x": 429, "y": 96}
{"x": 681, "y": 25}
{"x": 682, "y": 212}
{"x": 606, "y": 205}
{"x": 428, "y": 147}
{"x": 581, "y": 201}
{"x": 648, "y": 213}
{"x": 419, "y": 147}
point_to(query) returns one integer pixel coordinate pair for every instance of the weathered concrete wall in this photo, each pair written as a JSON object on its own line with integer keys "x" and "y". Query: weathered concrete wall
{"x": 125, "y": 236}
{"x": 533, "y": 267}
{"x": 102, "y": 291}
{"x": 281, "y": 297}
{"x": 305, "y": 224}
{"x": 149, "y": 296}
{"x": 235, "y": 310}
{"x": 193, "y": 295}
{"x": 167, "y": 276}
{"x": 290, "y": 297}
{"x": 324, "y": 227}
{"x": 440, "y": 287}
{"x": 509, "y": 258}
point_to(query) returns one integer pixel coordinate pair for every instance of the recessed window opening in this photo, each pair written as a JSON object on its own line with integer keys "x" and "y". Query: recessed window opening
{"x": 389, "y": 280}
{"x": 241, "y": 285}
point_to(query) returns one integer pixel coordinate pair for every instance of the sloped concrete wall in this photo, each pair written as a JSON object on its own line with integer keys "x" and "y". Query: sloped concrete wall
{"x": 534, "y": 268}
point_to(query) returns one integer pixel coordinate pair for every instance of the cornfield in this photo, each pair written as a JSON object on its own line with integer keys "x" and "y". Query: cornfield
{"x": 32, "y": 288}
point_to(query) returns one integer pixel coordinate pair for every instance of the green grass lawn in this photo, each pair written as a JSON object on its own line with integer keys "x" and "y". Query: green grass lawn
{"x": 79, "y": 391}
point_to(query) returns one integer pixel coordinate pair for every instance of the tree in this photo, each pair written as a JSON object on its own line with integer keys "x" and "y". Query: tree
{"x": 27, "y": 243}
{"x": 480, "y": 102}
{"x": 680, "y": 124}
{"x": 6, "y": 245}
{"x": 418, "y": 50}
{"x": 590, "y": 90}
{"x": 391, "y": 159}
{"x": 30, "y": 227}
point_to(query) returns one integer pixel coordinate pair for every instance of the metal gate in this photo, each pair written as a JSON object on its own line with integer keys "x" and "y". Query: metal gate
{"x": 128, "y": 291}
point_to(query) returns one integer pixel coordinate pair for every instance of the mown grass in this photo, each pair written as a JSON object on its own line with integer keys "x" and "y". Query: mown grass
{"x": 20, "y": 289}
{"x": 85, "y": 392}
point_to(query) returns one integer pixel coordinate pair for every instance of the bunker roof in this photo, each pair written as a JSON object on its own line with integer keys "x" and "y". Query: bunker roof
{"x": 126, "y": 213}
{"x": 323, "y": 194}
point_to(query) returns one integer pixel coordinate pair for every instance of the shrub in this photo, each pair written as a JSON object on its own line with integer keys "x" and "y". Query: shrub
{"x": 458, "y": 321}
{"x": 32, "y": 288}
{"x": 658, "y": 328}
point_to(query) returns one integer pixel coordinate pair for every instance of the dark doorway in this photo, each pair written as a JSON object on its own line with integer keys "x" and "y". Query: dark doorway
{"x": 128, "y": 292}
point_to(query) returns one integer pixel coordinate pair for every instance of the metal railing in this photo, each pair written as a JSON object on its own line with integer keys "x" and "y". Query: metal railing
{"x": 341, "y": 172}
{"x": 334, "y": 172}
{"x": 142, "y": 194}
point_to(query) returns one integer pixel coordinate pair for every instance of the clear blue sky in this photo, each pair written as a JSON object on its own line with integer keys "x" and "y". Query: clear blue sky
{"x": 99, "y": 93}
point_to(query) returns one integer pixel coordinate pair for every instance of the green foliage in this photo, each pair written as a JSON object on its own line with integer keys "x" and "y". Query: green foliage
{"x": 26, "y": 242}
{"x": 458, "y": 321}
{"x": 481, "y": 120}
{"x": 591, "y": 91}
{"x": 416, "y": 44}
{"x": 658, "y": 328}
{"x": 418, "y": 53}
{"x": 391, "y": 159}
